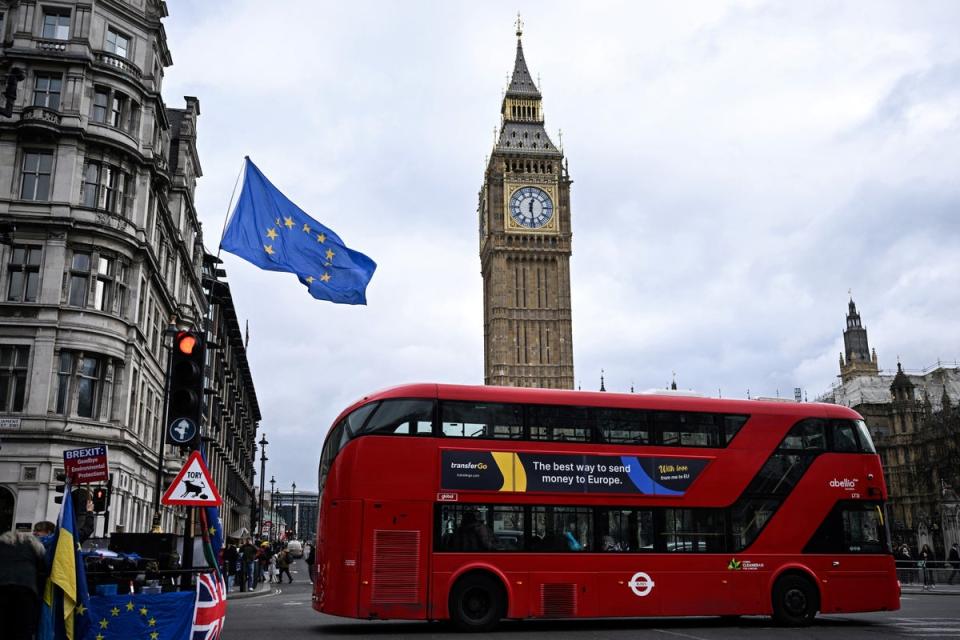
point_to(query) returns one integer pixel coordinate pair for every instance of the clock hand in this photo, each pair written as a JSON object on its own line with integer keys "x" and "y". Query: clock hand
{"x": 530, "y": 206}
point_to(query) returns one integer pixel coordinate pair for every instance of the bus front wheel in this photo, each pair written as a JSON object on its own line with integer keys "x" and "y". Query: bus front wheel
{"x": 795, "y": 601}
{"x": 477, "y": 602}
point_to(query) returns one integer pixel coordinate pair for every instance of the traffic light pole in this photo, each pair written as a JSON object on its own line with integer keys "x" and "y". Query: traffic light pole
{"x": 106, "y": 513}
{"x": 158, "y": 487}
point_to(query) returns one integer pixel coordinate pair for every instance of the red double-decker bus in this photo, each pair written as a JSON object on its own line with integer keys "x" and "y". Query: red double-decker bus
{"x": 481, "y": 503}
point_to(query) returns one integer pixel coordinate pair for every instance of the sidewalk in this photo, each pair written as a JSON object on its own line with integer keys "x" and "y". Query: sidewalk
{"x": 941, "y": 589}
{"x": 263, "y": 589}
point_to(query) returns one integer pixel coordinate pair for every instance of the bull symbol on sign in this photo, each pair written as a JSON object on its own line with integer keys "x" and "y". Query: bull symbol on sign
{"x": 191, "y": 488}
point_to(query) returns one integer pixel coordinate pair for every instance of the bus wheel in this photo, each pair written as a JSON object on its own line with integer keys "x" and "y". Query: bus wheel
{"x": 795, "y": 601}
{"x": 477, "y": 602}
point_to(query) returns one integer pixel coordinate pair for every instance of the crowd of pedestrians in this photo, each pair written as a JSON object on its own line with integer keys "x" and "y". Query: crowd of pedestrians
{"x": 923, "y": 566}
{"x": 249, "y": 564}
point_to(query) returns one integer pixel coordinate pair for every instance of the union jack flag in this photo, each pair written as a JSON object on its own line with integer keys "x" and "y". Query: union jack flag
{"x": 211, "y": 607}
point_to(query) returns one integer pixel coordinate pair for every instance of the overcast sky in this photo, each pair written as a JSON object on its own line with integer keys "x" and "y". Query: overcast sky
{"x": 737, "y": 168}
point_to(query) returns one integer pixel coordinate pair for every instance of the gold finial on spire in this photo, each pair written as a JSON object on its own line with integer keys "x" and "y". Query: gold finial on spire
{"x": 519, "y": 24}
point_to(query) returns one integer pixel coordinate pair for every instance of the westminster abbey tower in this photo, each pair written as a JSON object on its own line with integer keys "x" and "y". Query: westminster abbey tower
{"x": 525, "y": 239}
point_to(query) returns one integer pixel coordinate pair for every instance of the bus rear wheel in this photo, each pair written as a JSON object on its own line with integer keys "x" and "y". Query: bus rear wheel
{"x": 477, "y": 603}
{"x": 795, "y": 601}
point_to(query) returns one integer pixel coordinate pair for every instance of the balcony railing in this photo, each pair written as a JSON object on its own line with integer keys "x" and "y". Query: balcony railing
{"x": 52, "y": 45}
{"x": 114, "y": 61}
{"x": 40, "y": 115}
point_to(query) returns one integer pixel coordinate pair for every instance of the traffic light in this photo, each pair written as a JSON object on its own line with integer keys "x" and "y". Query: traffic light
{"x": 101, "y": 498}
{"x": 185, "y": 402}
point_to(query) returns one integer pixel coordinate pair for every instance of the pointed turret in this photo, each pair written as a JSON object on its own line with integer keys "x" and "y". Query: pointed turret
{"x": 858, "y": 360}
{"x": 521, "y": 112}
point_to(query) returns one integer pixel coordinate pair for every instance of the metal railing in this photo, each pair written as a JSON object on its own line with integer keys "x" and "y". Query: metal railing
{"x": 934, "y": 572}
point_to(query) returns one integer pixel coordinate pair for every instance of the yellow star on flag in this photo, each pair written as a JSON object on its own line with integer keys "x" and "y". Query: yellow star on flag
{"x": 99, "y": 636}
{"x": 306, "y": 228}
{"x": 310, "y": 279}
{"x": 115, "y": 612}
{"x": 272, "y": 233}
{"x": 152, "y": 622}
{"x": 330, "y": 254}
{"x": 268, "y": 248}
{"x": 277, "y": 221}
{"x": 212, "y": 530}
{"x": 154, "y": 635}
{"x": 143, "y": 611}
{"x": 289, "y": 222}
{"x": 104, "y": 624}
{"x": 321, "y": 237}
{"x": 325, "y": 277}
{"x": 81, "y": 609}
{"x": 130, "y": 606}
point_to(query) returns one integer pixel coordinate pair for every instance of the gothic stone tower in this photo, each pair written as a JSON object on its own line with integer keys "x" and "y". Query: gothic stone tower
{"x": 860, "y": 361}
{"x": 524, "y": 208}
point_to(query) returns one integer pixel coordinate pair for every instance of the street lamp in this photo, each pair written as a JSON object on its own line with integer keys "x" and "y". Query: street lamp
{"x": 273, "y": 507}
{"x": 293, "y": 503}
{"x": 263, "y": 468}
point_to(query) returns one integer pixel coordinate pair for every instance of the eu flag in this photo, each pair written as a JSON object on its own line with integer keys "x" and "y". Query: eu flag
{"x": 273, "y": 233}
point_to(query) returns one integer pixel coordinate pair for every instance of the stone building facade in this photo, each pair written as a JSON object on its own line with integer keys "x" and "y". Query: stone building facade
{"x": 915, "y": 422}
{"x": 104, "y": 255}
{"x": 525, "y": 246}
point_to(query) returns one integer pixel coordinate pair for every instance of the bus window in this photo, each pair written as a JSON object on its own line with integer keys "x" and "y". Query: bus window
{"x": 406, "y": 417}
{"x": 732, "y": 425}
{"x": 866, "y": 442}
{"x": 475, "y": 527}
{"x": 807, "y": 434}
{"x": 622, "y": 426}
{"x": 780, "y": 473}
{"x": 481, "y": 420}
{"x": 561, "y": 528}
{"x": 694, "y": 531}
{"x": 851, "y": 527}
{"x": 748, "y": 518}
{"x": 688, "y": 429}
{"x": 625, "y": 529}
{"x": 564, "y": 424}
{"x": 844, "y": 436}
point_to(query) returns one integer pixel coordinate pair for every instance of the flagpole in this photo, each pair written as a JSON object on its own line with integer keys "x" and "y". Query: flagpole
{"x": 226, "y": 216}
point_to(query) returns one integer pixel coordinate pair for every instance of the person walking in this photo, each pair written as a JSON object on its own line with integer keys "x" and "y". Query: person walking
{"x": 311, "y": 560}
{"x": 273, "y": 567}
{"x": 954, "y": 559}
{"x": 23, "y": 570}
{"x": 230, "y": 565}
{"x": 926, "y": 557}
{"x": 283, "y": 564}
{"x": 248, "y": 555}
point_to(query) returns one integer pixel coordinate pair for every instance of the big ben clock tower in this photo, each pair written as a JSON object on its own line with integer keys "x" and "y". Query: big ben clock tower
{"x": 525, "y": 247}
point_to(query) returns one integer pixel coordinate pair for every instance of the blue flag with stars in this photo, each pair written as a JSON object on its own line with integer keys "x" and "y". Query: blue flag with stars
{"x": 161, "y": 616}
{"x": 270, "y": 231}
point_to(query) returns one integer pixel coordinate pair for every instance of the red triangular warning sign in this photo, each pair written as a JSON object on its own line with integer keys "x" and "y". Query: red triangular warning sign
{"x": 193, "y": 486}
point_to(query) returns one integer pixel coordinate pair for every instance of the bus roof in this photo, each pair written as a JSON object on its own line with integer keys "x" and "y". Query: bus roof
{"x": 526, "y": 395}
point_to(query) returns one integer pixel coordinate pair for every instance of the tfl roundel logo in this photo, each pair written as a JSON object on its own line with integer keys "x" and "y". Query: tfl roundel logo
{"x": 641, "y": 584}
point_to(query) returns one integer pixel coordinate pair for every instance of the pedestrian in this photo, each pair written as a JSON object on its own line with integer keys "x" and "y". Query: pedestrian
{"x": 230, "y": 564}
{"x": 283, "y": 564}
{"x": 905, "y": 564}
{"x": 954, "y": 559}
{"x": 263, "y": 561}
{"x": 273, "y": 567}
{"x": 311, "y": 560}
{"x": 23, "y": 571}
{"x": 248, "y": 555}
{"x": 926, "y": 557}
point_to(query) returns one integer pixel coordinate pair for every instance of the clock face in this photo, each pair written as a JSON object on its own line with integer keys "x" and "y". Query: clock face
{"x": 531, "y": 207}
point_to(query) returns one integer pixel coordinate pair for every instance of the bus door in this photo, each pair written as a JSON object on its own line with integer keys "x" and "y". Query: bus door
{"x": 393, "y": 578}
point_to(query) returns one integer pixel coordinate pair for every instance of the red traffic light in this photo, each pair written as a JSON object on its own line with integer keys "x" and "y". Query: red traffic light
{"x": 186, "y": 342}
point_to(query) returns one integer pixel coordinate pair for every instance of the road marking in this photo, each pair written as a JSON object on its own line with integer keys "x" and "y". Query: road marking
{"x": 682, "y": 635}
{"x": 287, "y": 604}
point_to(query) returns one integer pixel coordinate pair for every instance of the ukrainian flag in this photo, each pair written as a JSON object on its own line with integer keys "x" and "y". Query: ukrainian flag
{"x": 65, "y": 598}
